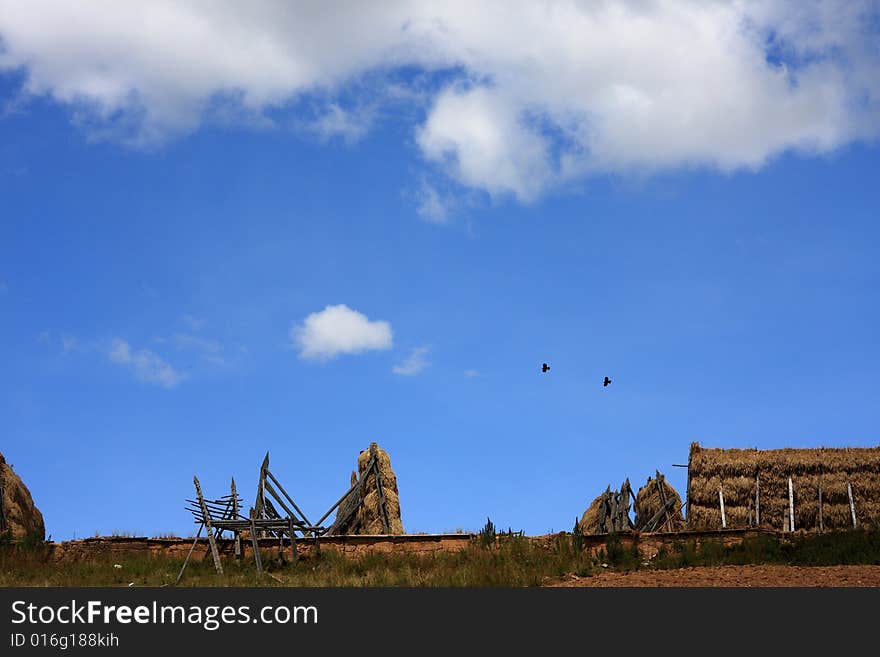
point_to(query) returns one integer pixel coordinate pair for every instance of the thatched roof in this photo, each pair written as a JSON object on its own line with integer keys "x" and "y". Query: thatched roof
{"x": 740, "y": 473}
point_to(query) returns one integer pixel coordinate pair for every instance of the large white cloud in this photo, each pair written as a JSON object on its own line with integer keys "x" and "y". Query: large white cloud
{"x": 542, "y": 92}
{"x": 338, "y": 330}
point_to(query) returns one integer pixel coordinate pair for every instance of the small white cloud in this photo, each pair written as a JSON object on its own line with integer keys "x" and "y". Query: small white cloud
{"x": 147, "y": 365}
{"x": 431, "y": 206}
{"x": 414, "y": 363}
{"x": 339, "y": 330}
{"x": 349, "y": 125}
{"x": 470, "y": 374}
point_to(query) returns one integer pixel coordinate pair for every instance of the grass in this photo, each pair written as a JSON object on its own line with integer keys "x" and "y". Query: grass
{"x": 510, "y": 561}
{"x": 860, "y": 546}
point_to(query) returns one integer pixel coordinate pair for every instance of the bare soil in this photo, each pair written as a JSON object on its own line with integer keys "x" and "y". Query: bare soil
{"x": 727, "y": 576}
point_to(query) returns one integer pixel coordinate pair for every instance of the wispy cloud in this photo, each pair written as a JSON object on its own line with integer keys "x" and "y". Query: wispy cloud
{"x": 338, "y": 330}
{"x": 146, "y": 365}
{"x": 470, "y": 374}
{"x": 337, "y": 122}
{"x": 414, "y": 363}
{"x": 207, "y": 348}
{"x": 430, "y": 205}
{"x": 193, "y": 323}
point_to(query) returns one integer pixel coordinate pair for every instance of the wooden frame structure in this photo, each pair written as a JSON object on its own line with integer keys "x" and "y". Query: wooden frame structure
{"x": 665, "y": 514}
{"x": 215, "y": 517}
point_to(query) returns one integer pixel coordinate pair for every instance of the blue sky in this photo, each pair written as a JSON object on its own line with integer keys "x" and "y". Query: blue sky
{"x": 167, "y": 261}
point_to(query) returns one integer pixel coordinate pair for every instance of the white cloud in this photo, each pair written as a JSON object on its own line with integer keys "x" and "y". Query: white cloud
{"x": 471, "y": 374}
{"x": 542, "y": 93}
{"x": 338, "y": 330}
{"x": 348, "y": 125}
{"x": 146, "y": 365}
{"x": 414, "y": 363}
{"x": 431, "y": 206}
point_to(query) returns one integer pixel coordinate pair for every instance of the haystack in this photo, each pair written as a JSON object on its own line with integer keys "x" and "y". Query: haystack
{"x": 650, "y": 502}
{"x": 593, "y": 519}
{"x": 18, "y": 514}
{"x": 609, "y": 512}
{"x": 368, "y": 519}
{"x": 754, "y": 484}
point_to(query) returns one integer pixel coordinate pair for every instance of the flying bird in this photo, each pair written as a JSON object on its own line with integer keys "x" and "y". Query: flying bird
{"x": 545, "y": 367}
{"x": 606, "y": 382}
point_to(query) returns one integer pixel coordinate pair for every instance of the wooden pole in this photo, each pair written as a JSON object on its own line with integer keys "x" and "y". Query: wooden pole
{"x": 821, "y": 524}
{"x": 721, "y": 499}
{"x": 207, "y": 520}
{"x": 258, "y": 560}
{"x": 374, "y": 452}
{"x": 293, "y": 555}
{"x": 193, "y": 547}
{"x": 757, "y": 499}
{"x": 236, "y": 535}
{"x": 382, "y": 509}
{"x": 289, "y": 498}
{"x": 790, "y": 506}
{"x": 852, "y": 506}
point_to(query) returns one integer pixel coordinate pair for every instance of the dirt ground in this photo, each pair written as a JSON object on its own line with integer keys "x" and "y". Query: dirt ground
{"x": 733, "y": 576}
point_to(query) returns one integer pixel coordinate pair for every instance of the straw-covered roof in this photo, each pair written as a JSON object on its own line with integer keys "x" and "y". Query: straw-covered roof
{"x": 754, "y": 484}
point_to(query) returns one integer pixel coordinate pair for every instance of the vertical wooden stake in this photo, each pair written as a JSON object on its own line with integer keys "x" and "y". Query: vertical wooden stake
{"x": 790, "y": 506}
{"x": 293, "y": 555}
{"x": 721, "y": 499}
{"x": 757, "y": 499}
{"x": 258, "y": 560}
{"x": 821, "y": 524}
{"x": 236, "y": 534}
{"x": 852, "y": 506}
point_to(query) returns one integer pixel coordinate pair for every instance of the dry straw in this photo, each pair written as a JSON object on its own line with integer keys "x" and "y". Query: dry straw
{"x": 649, "y": 502}
{"x": 742, "y": 472}
{"x": 369, "y": 517}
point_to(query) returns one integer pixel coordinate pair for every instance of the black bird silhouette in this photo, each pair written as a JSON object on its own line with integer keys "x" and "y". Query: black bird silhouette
{"x": 545, "y": 367}
{"x": 606, "y": 382}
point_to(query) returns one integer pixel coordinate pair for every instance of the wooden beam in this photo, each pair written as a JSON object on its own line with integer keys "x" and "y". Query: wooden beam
{"x": 357, "y": 484}
{"x": 382, "y": 509}
{"x": 189, "y": 554}
{"x": 852, "y": 506}
{"x": 258, "y": 560}
{"x": 790, "y": 506}
{"x": 821, "y": 523}
{"x": 211, "y": 542}
{"x": 757, "y": 499}
{"x": 235, "y": 534}
{"x": 721, "y": 499}
{"x": 289, "y": 498}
